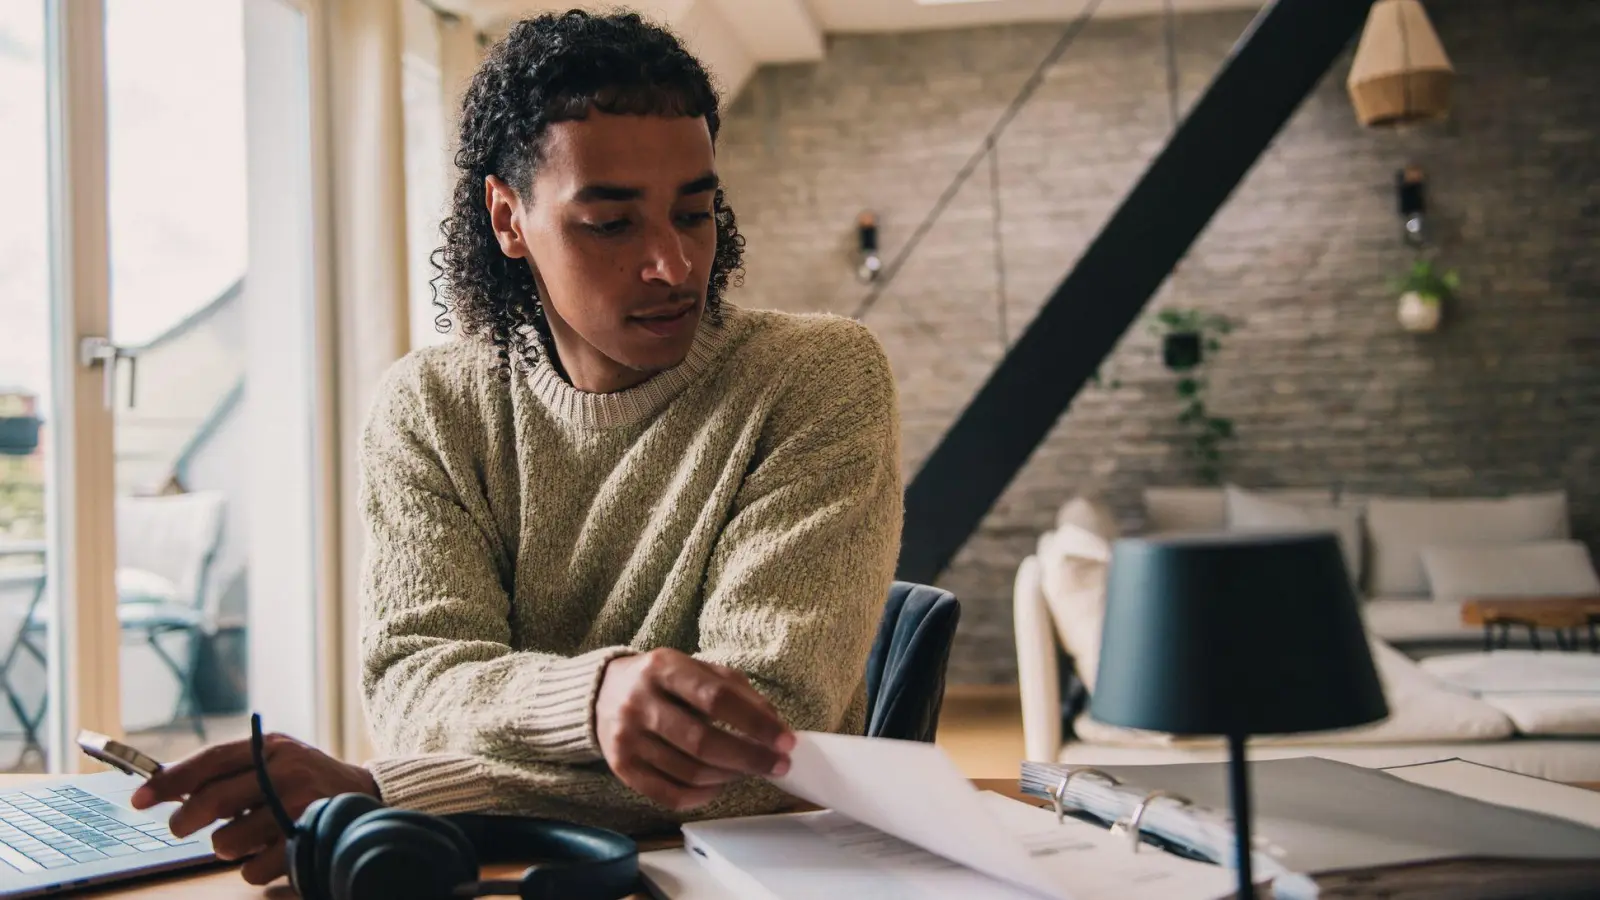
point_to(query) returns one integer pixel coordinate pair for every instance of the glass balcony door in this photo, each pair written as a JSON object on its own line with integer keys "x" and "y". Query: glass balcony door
{"x": 28, "y": 399}
{"x": 160, "y": 454}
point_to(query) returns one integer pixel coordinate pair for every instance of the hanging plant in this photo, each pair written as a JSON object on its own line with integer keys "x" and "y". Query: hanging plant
{"x": 1189, "y": 339}
{"x": 1423, "y": 293}
{"x": 1187, "y": 335}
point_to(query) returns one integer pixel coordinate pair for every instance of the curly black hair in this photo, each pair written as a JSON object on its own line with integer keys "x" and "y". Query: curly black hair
{"x": 554, "y": 68}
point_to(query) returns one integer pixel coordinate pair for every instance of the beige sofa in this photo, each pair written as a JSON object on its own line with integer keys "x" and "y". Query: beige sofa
{"x": 1059, "y": 598}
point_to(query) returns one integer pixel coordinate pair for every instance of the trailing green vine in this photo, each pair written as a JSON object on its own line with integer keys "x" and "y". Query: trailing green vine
{"x": 1189, "y": 339}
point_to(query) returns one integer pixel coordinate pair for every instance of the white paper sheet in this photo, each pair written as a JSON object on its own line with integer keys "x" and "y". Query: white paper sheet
{"x": 914, "y": 793}
{"x": 675, "y": 875}
{"x": 828, "y": 856}
{"x": 1098, "y": 865}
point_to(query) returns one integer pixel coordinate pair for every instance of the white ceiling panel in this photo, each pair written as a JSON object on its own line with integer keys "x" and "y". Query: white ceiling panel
{"x": 738, "y": 35}
{"x": 782, "y": 22}
{"x": 911, "y": 15}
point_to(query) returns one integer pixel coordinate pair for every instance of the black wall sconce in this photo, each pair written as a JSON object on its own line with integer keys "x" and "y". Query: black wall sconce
{"x": 869, "y": 263}
{"x": 1409, "y": 183}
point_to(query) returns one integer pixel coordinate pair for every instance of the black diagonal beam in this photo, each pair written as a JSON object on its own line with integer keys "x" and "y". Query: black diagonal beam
{"x": 1274, "y": 66}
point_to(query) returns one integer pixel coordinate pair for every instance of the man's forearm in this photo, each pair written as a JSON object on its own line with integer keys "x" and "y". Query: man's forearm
{"x": 462, "y": 697}
{"x": 444, "y": 784}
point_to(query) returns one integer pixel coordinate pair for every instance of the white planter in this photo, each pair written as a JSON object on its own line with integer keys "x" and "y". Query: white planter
{"x": 1419, "y": 313}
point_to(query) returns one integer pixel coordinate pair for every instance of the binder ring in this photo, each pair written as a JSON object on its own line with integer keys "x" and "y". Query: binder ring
{"x": 1059, "y": 795}
{"x": 1132, "y": 823}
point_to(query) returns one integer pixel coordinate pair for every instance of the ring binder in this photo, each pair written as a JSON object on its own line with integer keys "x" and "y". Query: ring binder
{"x": 1059, "y": 795}
{"x": 1131, "y": 824}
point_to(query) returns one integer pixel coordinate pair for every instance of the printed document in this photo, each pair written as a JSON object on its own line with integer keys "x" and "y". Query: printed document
{"x": 900, "y": 820}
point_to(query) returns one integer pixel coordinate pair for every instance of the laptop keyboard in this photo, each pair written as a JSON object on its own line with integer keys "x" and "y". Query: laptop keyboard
{"x": 51, "y": 828}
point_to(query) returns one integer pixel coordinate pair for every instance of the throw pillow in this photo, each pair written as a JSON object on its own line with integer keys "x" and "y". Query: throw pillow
{"x": 1198, "y": 509}
{"x": 1090, "y": 513}
{"x": 1177, "y": 509}
{"x": 1400, "y": 528}
{"x": 1539, "y": 569}
{"x": 1072, "y": 570}
{"x": 1252, "y": 511}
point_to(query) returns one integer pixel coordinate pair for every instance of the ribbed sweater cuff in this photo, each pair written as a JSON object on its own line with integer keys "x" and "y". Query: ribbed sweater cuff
{"x": 559, "y": 723}
{"x": 439, "y": 785}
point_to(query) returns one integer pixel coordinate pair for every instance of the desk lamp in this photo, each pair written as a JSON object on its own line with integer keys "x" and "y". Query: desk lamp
{"x": 1234, "y": 634}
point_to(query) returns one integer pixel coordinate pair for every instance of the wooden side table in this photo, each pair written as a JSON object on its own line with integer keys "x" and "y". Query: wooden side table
{"x": 1567, "y": 616}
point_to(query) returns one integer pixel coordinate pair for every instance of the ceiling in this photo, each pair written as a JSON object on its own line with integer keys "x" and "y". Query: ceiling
{"x": 834, "y": 16}
{"x": 909, "y": 15}
{"x": 736, "y": 36}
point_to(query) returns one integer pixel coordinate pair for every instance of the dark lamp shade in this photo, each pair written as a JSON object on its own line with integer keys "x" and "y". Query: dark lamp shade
{"x": 1234, "y": 634}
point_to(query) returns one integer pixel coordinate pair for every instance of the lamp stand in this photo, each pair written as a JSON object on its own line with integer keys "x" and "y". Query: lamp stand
{"x": 1239, "y": 794}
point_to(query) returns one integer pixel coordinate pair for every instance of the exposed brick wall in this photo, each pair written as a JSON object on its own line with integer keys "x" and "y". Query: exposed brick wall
{"x": 1321, "y": 381}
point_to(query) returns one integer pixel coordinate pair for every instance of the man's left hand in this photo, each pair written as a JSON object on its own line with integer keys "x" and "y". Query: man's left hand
{"x": 219, "y": 782}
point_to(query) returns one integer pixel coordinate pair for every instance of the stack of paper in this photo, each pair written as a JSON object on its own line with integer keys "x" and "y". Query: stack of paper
{"x": 901, "y": 821}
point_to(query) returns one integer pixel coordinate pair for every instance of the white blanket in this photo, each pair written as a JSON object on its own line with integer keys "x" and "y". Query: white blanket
{"x": 1543, "y": 693}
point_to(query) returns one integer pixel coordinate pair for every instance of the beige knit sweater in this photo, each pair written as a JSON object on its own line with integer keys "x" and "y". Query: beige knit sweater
{"x": 744, "y": 507}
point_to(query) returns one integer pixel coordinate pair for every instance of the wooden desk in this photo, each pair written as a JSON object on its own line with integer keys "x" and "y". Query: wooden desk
{"x": 224, "y": 883}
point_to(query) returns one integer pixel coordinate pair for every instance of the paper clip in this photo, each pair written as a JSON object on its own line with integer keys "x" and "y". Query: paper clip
{"x": 1059, "y": 795}
{"x": 1131, "y": 824}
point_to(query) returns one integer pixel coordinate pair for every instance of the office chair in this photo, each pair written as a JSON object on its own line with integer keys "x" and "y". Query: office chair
{"x": 905, "y": 671}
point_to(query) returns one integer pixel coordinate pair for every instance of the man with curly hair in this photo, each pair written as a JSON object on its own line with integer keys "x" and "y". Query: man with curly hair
{"x": 625, "y": 538}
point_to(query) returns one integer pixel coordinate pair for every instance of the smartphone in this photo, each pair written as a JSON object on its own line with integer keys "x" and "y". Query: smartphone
{"x": 117, "y": 754}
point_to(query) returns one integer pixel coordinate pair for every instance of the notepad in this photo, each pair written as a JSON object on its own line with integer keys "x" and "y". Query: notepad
{"x": 900, "y": 820}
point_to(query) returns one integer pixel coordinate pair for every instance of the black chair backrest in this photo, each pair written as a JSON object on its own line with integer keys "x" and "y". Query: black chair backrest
{"x": 905, "y": 673}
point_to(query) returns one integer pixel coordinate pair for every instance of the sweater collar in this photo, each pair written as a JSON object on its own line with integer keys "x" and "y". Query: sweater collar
{"x": 633, "y": 405}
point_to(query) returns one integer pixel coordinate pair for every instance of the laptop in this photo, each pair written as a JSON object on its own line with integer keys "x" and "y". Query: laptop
{"x": 79, "y": 831}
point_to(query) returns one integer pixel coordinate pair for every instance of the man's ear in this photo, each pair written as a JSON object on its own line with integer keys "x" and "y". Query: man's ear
{"x": 502, "y": 203}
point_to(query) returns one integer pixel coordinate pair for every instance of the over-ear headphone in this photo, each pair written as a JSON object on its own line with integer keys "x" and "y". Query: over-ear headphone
{"x": 352, "y": 847}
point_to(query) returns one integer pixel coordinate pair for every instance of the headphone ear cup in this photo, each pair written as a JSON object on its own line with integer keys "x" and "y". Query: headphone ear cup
{"x": 400, "y": 854}
{"x": 298, "y": 851}
{"x": 458, "y": 835}
{"x": 310, "y": 850}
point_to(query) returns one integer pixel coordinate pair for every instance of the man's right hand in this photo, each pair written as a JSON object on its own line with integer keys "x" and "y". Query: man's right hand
{"x": 657, "y": 718}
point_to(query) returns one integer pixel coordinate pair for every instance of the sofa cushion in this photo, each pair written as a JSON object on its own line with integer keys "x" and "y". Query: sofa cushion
{"x": 1400, "y": 528}
{"x": 1412, "y": 619}
{"x": 1255, "y": 511}
{"x": 1550, "y": 715}
{"x": 1091, "y": 513}
{"x": 1184, "y": 509}
{"x": 1421, "y": 710}
{"x": 1188, "y": 509}
{"x": 1538, "y": 569}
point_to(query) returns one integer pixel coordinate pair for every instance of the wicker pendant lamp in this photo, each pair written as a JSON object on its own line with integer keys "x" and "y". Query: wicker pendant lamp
{"x": 1400, "y": 73}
